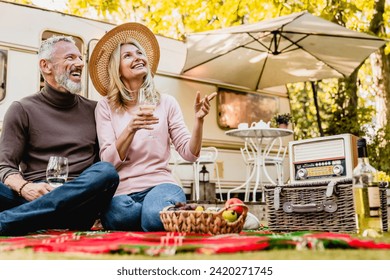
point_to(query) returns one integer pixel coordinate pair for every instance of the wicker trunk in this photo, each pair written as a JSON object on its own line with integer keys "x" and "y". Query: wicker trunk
{"x": 321, "y": 206}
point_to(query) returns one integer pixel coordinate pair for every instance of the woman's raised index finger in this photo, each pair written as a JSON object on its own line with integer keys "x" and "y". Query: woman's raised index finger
{"x": 212, "y": 95}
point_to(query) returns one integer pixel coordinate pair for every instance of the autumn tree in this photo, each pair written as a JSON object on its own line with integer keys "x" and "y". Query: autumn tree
{"x": 358, "y": 104}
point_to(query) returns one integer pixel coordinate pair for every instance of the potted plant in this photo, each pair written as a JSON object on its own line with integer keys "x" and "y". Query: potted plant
{"x": 282, "y": 120}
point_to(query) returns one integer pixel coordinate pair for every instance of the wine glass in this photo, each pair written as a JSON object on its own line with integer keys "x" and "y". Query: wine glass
{"x": 148, "y": 106}
{"x": 57, "y": 171}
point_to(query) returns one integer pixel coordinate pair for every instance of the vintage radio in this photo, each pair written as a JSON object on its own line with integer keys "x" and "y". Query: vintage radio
{"x": 323, "y": 158}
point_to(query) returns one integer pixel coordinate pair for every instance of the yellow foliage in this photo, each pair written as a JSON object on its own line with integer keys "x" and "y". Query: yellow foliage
{"x": 382, "y": 177}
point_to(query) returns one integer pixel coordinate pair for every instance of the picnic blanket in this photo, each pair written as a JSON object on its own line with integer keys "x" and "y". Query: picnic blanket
{"x": 170, "y": 243}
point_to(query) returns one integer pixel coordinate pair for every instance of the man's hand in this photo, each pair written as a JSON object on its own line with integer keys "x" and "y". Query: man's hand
{"x": 35, "y": 190}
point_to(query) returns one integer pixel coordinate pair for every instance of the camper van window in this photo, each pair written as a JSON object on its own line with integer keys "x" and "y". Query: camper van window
{"x": 3, "y": 71}
{"x": 79, "y": 43}
{"x": 236, "y": 107}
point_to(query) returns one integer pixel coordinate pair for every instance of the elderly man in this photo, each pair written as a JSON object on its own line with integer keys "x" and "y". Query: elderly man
{"x": 54, "y": 121}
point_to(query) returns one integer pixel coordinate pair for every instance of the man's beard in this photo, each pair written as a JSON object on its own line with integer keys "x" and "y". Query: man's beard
{"x": 64, "y": 81}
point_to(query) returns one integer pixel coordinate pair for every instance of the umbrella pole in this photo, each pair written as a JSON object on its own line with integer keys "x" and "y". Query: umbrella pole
{"x": 314, "y": 89}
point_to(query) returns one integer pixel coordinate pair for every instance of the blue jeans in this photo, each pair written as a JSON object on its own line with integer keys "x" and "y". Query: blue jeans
{"x": 75, "y": 205}
{"x": 140, "y": 211}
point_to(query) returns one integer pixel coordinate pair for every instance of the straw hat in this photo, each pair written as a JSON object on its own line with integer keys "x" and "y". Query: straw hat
{"x": 98, "y": 65}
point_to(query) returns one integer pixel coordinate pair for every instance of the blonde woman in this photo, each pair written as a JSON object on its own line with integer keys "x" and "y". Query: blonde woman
{"x": 137, "y": 140}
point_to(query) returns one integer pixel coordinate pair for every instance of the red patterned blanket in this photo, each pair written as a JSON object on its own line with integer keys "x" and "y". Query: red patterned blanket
{"x": 165, "y": 243}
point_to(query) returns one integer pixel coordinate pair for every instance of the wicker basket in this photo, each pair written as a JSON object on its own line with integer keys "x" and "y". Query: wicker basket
{"x": 202, "y": 221}
{"x": 322, "y": 206}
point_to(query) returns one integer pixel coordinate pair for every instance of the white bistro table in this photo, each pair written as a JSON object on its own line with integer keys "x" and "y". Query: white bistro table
{"x": 258, "y": 135}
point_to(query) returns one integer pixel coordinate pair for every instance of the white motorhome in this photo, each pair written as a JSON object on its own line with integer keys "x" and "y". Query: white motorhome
{"x": 22, "y": 28}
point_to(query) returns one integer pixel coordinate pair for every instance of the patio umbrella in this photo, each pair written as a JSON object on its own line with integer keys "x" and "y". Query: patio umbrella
{"x": 294, "y": 48}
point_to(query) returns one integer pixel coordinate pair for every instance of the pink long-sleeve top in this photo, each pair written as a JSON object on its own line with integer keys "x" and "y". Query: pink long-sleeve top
{"x": 147, "y": 161}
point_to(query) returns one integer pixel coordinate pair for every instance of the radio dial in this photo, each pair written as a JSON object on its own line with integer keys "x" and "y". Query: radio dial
{"x": 302, "y": 173}
{"x": 338, "y": 169}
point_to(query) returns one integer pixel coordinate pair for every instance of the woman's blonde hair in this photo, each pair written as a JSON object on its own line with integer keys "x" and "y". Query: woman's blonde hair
{"x": 117, "y": 94}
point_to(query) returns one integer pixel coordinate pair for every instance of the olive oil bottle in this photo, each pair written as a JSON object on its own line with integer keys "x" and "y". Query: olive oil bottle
{"x": 366, "y": 193}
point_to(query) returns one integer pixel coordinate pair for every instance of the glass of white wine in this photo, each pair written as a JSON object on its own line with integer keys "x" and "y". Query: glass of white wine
{"x": 148, "y": 106}
{"x": 57, "y": 171}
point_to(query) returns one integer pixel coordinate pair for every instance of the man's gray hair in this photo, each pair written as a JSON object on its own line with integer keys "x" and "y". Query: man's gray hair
{"x": 46, "y": 49}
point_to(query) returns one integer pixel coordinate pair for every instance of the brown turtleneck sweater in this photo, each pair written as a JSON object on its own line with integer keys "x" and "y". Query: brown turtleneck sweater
{"x": 44, "y": 124}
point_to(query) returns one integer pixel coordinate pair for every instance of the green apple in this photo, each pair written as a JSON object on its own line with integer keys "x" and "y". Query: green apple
{"x": 229, "y": 215}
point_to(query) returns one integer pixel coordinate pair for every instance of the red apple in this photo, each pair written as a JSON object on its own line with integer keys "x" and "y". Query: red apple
{"x": 237, "y": 208}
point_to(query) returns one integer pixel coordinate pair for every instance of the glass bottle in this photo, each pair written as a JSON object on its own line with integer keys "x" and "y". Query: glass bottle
{"x": 366, "y": 193}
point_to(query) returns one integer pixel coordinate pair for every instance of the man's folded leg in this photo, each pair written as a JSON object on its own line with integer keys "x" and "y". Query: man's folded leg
{"x": 74, "y": 205}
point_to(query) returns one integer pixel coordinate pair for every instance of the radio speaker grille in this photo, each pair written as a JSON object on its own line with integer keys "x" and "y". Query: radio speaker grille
{"x": 320, "y": 150}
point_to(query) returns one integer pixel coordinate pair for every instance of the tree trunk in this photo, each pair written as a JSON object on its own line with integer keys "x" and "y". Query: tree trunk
{"x": 382, "y": 63}
{"x": 315, "y": 97}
